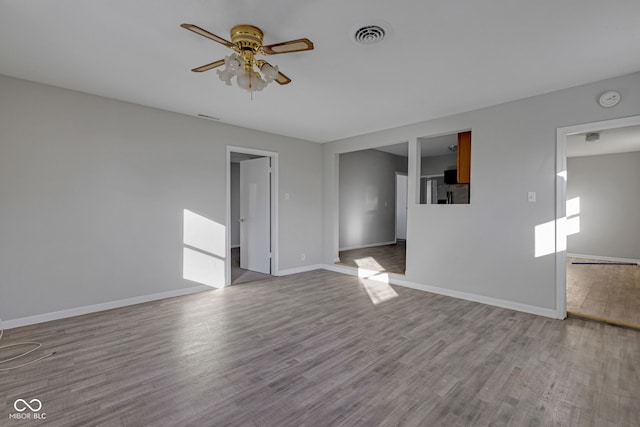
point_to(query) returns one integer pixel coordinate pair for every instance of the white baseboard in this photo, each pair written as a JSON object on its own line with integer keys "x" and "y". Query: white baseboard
{"x": 511, "y": 305}
{"x": 604, "y": 258}
{"x": 370, "y": 245}
{"x": 393, "y": 279}
{"x": 71, "y": 312}
{"x": 341, "y": 269}
{"x": 302, "y": 269}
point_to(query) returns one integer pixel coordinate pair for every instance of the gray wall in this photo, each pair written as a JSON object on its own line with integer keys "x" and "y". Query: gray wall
{"x": 368, "y": 197}
{"x": 487, "y": 248}
{"x": 235, "y": 204}
{"x": 92, "y": 194}
{"x": 436, "y": 165}
{"x": 609, "y": 191}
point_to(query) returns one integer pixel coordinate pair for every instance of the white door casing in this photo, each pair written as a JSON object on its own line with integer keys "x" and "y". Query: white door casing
{"x": 401, "y": 206}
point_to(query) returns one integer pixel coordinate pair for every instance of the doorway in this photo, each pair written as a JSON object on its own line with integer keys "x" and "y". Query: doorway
{"x": 372, "y": 209}
{"x": 597, "y": 256}
{"x": 252, "y": 211}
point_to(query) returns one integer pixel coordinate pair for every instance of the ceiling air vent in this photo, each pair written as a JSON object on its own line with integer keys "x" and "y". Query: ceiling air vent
{"x": 369, "y": 34}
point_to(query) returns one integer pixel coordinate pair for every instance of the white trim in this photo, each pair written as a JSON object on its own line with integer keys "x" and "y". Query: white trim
{"x": 274, "y": 207}
{"x": 341, "y": 269}
{"x": 71, "y": 312}
{"x": 604, "y": 258}
{"x": 370, "y": 245}
{"x": 511, "y": 305}
{"x": 302, "y": 269}
{"x": 234, "y": 246}
{"x": 561, "y": 197}
{"x": 335, "y": 246}
{"x": 561, "y": 240}
{"x": 414, "y": 169}
{"x": 406, "y": 213}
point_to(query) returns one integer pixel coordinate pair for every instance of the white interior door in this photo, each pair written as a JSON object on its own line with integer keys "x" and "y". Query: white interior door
{"x": 401, "y": 206}
{"x": 255, "y": 215}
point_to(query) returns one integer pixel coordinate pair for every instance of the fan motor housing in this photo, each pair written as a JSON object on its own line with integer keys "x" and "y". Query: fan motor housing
{"x": 247, "y": 37}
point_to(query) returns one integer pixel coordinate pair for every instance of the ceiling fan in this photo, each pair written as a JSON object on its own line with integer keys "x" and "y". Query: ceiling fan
{"x": 251, "y": 74}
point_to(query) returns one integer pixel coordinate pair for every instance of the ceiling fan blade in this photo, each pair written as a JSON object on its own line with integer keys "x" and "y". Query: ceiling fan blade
{"x": 208, "y": 66}
{"x": 282, "y": 79}
{"x": 208, "y": 35}
{"x": 287, "y": 47}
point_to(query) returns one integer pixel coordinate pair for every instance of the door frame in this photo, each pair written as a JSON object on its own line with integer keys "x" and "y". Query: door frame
{"x": 274, "y": 208}
{"x": 406, "y": 214}
{"x": 561, "y": 198}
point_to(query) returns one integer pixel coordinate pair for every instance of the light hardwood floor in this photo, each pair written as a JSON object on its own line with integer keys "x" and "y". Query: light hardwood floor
{"x": 387, "y": 258}
{"x": 313, "y": 350}
{"x": 605, "y": 292}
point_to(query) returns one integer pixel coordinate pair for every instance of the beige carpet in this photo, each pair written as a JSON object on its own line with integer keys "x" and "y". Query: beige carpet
{"x": 609, "y": 293}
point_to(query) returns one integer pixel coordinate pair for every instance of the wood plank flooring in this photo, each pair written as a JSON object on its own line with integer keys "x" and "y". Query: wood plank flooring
{"x": 605, "y": 292}
{"x": 314, "y": 350}
{"x": 387, "y": 258}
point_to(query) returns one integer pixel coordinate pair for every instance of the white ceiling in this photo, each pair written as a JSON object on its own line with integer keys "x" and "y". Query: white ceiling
{"x": 621, "y": 140}
{"x": 441, "y": 58}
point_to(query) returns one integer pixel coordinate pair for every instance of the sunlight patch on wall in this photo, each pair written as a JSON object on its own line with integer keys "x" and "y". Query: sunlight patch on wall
{"x": 551, "y": 237}
{"x": 204, "y": 234}
{"x": 572, "y": 226}
{"x": 202, "y": 268}
{"x": 573, "y": 207}
{"x": 545, "y": 239}
{"x": 572, "y": 223}
{"x": 204, "y": 251}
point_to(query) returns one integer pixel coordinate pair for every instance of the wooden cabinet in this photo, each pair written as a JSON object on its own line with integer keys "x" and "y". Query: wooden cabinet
{"x": 464, "y": 157}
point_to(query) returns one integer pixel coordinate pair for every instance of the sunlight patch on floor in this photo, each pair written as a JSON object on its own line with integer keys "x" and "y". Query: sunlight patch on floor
{"x": 377, "y": 285}
{"x": 369, "y": 263}
{"x": 378, "y": 289}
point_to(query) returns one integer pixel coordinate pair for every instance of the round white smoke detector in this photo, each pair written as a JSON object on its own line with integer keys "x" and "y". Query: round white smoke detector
{"x": 609, "y": 98}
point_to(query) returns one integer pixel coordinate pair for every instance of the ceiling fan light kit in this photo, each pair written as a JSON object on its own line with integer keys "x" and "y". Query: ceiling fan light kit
{"x": 251, "y": 74}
